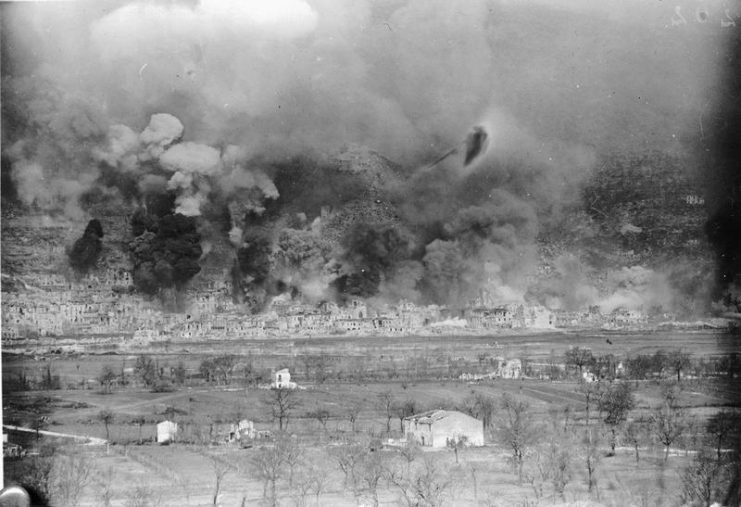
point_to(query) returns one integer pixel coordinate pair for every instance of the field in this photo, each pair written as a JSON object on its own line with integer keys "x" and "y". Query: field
{"x": 187, "y": 472}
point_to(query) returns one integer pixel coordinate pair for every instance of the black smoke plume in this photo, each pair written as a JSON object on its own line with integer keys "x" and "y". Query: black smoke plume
{"x": 372, "y": 253}
{"x": 165, "y": 254}
{"x": 86, "y": 250}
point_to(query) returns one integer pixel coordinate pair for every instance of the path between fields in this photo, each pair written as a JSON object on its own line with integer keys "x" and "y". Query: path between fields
{"x": 91, "y": 411}
{"x": 87, "y": 439}
{"x": 551, "y": 395}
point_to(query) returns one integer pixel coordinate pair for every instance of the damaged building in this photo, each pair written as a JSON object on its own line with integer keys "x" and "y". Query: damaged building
{"x": 438, "y": 428}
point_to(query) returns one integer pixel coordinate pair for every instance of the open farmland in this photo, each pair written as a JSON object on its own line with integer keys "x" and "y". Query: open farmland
{"x": 369, "y": 354}
{"x": 358, "y": 374}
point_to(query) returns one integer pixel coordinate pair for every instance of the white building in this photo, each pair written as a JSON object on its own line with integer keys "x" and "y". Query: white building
{"x": 243, "y": 429}
{"x": 166, "y": 431}
{"x": 282, "y": 380}
{"x": 438, "y": 427}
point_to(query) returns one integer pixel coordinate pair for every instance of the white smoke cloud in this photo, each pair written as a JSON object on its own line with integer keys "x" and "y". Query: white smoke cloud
{"x": 30, "y": 182}
{"x": 183, "y": 181}
{"x": 121, "y": 148}
{"x": 192, "y": 158}
{"x": 189, "y": 205}
{"x": 162, "y": 131}
{"x": 636, "y": 287}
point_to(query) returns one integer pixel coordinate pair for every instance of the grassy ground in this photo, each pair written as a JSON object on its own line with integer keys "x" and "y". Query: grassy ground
{"x": 185, "y": 474}
{"x": 181, "y": 475}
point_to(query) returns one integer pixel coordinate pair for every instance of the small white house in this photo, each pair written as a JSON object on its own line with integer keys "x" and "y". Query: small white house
{"x": 589, "y": 377}
{"x": 438, "y": 427}
{"x": 243, "y": 429}
{"x": 282, "y": 380}
{"x": 166, "y": 431}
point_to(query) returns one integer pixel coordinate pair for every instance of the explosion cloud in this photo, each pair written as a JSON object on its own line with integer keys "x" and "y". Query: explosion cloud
{"x": 166, "y": 252}
{"x": 238, "y": 124}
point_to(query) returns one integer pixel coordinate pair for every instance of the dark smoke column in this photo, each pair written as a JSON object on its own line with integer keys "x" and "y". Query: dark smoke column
{"x": 724, "y": 224}
{"x": 165, "y": 252}
{"x": 86, "y": 250}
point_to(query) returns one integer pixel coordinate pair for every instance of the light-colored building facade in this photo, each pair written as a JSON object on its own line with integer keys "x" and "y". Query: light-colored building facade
{"x": 438, "y": 427}
{"x": 166, "y": 431}
{"x": 282, "y": 380}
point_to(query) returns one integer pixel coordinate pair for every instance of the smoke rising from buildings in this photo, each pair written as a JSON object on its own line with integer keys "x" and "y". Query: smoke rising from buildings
{"x": 85, "y": 251}
{"x": 240, "y": 109}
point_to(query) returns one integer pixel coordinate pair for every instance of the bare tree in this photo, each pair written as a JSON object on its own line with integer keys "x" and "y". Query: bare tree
{"x": 139, "y": 420}
{"x": 404, "y": 410}
{"x": 223, "y": 367}
{"x": 282, "y": 402}
{"x": 720, "y": 427}
{"x": 615, "y": 403}
{"x": 482, "y": 407}
{"x": 701, "y": 480}
{"x": 579, "y": 358}
{"x": 591, "y": 457}
{"x": 386, "y": 401}
{"x": 38, "y": 423}
{"x": 107, "y": 377}
{"x": 71, "y": 475}
{"x": 691, "y": 433}
{"x": 106, "y": 417}
{"x": 410, "y": 451}
{"x": 667, "y": 421}
{"x": 221, "y": 470}
{"x": 180, "y": 373}
{"x": 309, "y": 479}
{"x": 633, "y": 434}
{"x": 146, "y": 370}
{"x": 268, "y": 464}
{"x": 348, "y": 457}
{"x": 142, "y": 496}
{"x": 517, "y": 429}
{"x": 207, "y": 369}
{"x": 302, "y": 485}
{"x": 105, "y": 487}
{"x": 591, "y": 392}
{"x": 557, "y": 452}
{"x": 370, "y": 470}
{"x": 353, "y": 411}
{"x": 293, "y": 454}
{"x": 667, "y": 424}
{"x": 678, "y": 361}
{"x": 319, "y": 483}
{"x": 321, "y": 415}
{"x": 427, "y": 484}
{"x": 456, "y": 444}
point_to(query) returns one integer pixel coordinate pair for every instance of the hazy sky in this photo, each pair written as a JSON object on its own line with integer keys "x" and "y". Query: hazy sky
{"x": 401, "y": 77}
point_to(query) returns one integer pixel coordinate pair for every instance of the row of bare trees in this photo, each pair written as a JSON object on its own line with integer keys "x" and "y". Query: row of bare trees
{"x": 674, "y": 361}
{"x": 416, "y": 479}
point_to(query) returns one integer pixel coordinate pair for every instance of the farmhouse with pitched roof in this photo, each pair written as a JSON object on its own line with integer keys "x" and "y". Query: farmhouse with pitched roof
{"x": 437, "y": 427}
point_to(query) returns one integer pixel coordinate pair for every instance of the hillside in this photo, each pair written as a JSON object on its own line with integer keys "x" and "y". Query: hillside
{"x": 637, "y": 223}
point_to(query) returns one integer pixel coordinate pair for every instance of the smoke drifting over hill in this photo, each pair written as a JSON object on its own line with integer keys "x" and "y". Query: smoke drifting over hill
{"x": 220, "y": 109}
